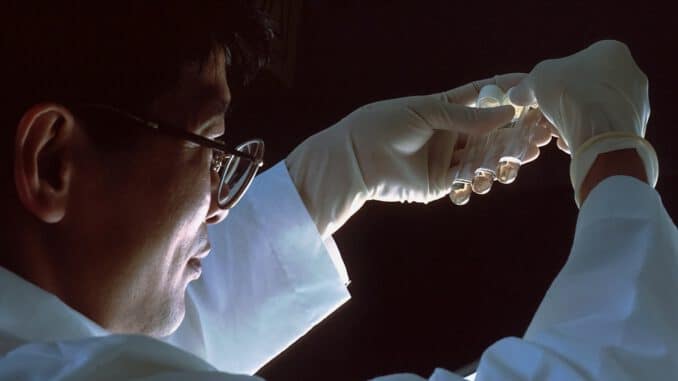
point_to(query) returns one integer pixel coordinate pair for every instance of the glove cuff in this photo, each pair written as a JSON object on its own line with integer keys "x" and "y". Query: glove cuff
{"x": 329, "y": 179}
{"x": 586, "y": 155}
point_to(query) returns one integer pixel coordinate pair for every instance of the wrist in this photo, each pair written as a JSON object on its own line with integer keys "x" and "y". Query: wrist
{"x": 329, "y": 183}
{"x": 585, "y": 156}
{"x": 624, "y": 162}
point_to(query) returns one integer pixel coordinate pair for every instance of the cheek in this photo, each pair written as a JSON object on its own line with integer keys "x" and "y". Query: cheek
{"x": 199, "y": 180}
{"x": 142, "y": 220}
{"x": 167, "y": 203}
{"x": 181, "y": 213}
{"x": 191, "y": 190}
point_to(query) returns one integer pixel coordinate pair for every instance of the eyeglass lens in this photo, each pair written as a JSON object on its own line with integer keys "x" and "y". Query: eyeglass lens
{"x": 237, "y": 172}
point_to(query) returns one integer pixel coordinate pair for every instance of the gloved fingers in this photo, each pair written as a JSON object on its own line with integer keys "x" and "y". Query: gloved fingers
{"x": 509, "y": 81}
{"x": 457, "y": 156}
{"x": 523, "y": 93}
{"x": 562, "y": 145}
{"x": 467, "y": 94}
{"x": 473, "y": 120}
{"x": 554, "y": 131}
{"x": 453, "y": 172}
{"x": 531, "y": 155}
{"x": 440, "y": 155}
{"x": 461, "y": 142}
{"x": 560, "y": 142}
{"x": 541, "y": 133}
{"x": 542, "y": 136}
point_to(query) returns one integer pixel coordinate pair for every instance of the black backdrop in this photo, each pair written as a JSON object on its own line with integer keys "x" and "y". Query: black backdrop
{"x": 434, "y": 285}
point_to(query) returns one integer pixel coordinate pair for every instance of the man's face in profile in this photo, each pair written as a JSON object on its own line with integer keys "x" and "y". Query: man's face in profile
{"x": 138, "y": 217}
{"x": 103, "y": 212}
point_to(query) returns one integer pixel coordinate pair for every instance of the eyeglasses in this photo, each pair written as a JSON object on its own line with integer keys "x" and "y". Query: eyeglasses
{"x": 236, "y": 167}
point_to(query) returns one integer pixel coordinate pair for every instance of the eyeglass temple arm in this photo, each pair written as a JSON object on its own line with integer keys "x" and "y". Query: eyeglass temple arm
{"x": 200, "y": 140}
{"x": 175, "y": 132}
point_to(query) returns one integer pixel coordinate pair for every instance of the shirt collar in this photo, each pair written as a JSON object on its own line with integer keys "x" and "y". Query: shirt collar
{"x": 30, "y": 313}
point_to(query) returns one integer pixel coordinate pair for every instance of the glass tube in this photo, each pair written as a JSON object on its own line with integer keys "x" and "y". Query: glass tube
{"x": 517, "y": 138}
{"x": 485, "y": 174}
{"x": 461, "y": 192}
{"x": 461, "y": 186}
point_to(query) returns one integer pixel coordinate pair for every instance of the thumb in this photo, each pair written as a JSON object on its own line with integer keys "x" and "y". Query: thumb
{"x": 522, "y": 94}
{"x": 478, "y": 121}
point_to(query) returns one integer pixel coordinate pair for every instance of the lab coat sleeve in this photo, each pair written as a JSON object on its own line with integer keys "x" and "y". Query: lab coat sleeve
{"x": 268, "y": 280}
{"x": 611, "y": 314}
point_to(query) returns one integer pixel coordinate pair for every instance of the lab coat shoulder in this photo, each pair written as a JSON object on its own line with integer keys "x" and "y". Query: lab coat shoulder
{"x": 438, "y": 375}
{"x": 268, "y": 280}
{"x": 114, "y": 357}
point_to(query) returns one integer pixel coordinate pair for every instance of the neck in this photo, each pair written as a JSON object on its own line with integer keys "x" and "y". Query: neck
{"x": 30, "y": 255}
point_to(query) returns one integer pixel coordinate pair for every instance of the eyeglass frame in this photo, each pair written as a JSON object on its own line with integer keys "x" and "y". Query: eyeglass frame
{"x": 217, "y": 162}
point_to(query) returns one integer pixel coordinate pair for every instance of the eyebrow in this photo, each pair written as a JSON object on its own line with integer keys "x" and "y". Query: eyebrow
{"x": 211, "y": 109}
{"x": 215, "y": 107}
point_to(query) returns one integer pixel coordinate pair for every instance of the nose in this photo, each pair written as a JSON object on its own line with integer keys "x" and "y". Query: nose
{"x": 216, "y": 216}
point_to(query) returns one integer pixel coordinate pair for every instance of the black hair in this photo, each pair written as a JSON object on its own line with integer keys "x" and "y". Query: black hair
{"x": 123, "y": 53}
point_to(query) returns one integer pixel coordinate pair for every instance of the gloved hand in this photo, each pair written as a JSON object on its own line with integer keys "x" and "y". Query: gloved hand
{"x": 394, "y": 150}
{"x": 598, "y": 101}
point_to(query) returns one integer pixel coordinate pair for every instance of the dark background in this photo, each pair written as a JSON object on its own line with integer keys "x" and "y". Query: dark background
{"x": 435, "y": 285}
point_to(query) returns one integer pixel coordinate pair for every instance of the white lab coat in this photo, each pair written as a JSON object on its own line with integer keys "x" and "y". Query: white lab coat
{"x": 609, "y": 315}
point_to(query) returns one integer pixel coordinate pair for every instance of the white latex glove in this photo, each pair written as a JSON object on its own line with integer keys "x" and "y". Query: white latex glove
{"x": 598, "y": 101}
{"x": 394, "y": 150}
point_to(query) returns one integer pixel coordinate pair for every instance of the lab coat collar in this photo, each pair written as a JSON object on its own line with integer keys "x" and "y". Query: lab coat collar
{"x": 29, "y": 313}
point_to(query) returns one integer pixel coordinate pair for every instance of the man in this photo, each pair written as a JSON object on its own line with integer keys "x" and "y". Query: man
{"x": 111, "y": 184}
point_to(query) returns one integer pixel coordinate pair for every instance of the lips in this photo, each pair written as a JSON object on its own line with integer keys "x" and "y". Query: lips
{"x": 195, "y": 264}
{"x": 203, "y": 253}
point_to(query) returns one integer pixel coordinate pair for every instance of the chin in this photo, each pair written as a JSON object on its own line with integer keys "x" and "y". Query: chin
{"x": 167, "y": 321}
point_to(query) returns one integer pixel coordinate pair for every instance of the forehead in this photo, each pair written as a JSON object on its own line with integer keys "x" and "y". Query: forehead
{"x": 201, "y": 88}
{"x": 207, "y": 78}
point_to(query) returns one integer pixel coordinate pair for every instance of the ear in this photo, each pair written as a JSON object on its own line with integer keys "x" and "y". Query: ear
{"x": 43, "y": 160}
